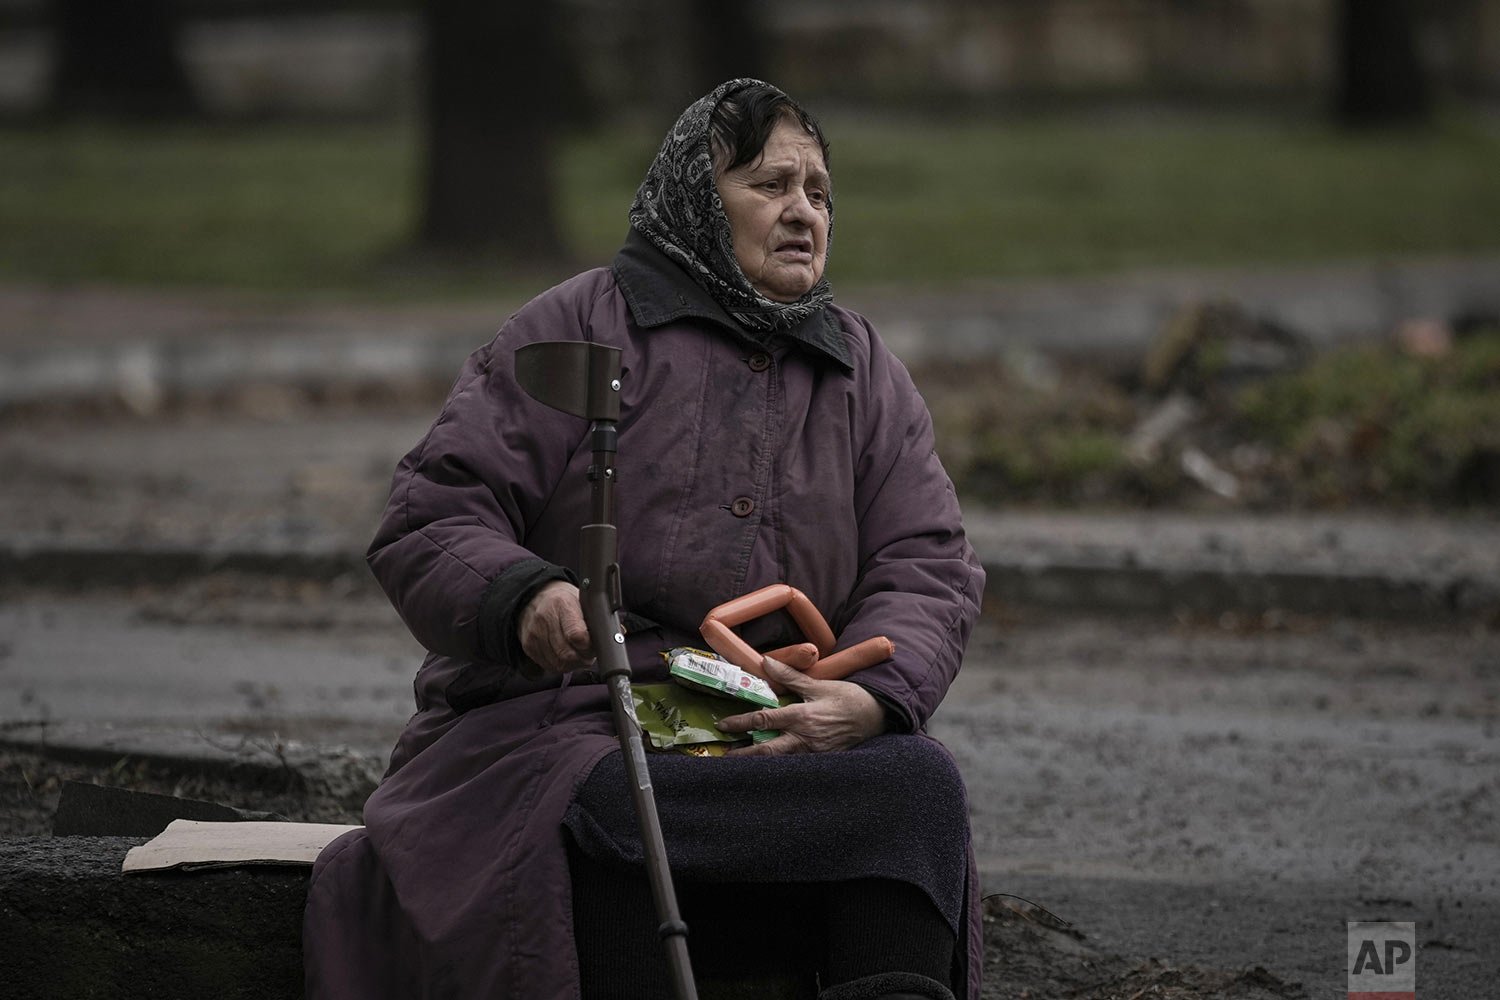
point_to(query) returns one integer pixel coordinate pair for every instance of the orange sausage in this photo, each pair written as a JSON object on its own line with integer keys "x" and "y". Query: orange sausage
{"x": 857, "y": 657}
{"x": 722, "y": 640}
{"x": 810, "y": 621}
{"x": 800, "y": 657}
{"x": 718, "y": 633}
{"x": 773, "y": 598}
{"x": 752, "y": 605}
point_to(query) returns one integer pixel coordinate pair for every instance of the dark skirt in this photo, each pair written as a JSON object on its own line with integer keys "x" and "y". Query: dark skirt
{"x": 892, "y": 808}
{"x": 843, "y": 865}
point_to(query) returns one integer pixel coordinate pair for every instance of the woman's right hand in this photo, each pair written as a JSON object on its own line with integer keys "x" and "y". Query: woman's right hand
{"x": 552, "y": 630}
{"x": 832, "y": 715}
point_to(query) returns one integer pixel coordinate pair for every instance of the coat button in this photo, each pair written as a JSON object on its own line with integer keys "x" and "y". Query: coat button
{"x": 760, "y": 361}
{"x": 742, "y": 507}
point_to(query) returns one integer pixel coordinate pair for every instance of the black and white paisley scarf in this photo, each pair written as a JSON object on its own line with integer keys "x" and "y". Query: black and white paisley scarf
{"x": 678, "y": 208}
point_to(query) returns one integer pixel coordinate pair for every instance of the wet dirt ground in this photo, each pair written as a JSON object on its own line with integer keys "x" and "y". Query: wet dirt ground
{"x": 1228, "y": 793}
{"x": 1195, "y": 797}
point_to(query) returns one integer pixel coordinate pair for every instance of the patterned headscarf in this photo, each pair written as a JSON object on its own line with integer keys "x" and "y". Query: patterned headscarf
{"x": 678, "y": 208}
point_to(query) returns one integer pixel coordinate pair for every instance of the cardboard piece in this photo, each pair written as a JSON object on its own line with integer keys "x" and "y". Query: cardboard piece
{"x": 188, "y": 844}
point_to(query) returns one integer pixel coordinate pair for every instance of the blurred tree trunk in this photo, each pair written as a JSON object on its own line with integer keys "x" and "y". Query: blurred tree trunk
{"x": 1381, "y": 79}
{"x": 493, "y": 110}
{"x": 119, "y": 57}
{"x": 727, "y": 41}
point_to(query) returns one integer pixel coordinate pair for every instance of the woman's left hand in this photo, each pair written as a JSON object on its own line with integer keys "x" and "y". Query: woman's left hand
{"x": 833, "y": 715}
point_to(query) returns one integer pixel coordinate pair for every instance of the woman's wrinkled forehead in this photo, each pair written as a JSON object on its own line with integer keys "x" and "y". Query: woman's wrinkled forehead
{"x": 743, "y": 119}
{"x": 729, "y": 157}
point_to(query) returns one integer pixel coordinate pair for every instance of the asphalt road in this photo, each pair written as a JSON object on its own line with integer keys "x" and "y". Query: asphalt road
{"x": 219, "y": 659}
{"x": 1231, "y": 795}
{"x": 1206, "y": 792}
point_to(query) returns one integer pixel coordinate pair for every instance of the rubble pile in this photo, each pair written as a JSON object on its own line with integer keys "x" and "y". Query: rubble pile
{"x": 1228, "y": 410}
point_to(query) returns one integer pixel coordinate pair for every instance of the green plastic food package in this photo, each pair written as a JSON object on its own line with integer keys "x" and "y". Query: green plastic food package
{"x": 698, "y": 669}
{"x": 675, "y": 716}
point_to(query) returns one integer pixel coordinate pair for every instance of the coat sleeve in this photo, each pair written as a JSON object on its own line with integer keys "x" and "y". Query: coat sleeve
{"x": 919, "y": 582}
{"x": 449, "y": 551}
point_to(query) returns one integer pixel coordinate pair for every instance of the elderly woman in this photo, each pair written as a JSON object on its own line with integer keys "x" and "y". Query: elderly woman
{"x": 766, "y": 436}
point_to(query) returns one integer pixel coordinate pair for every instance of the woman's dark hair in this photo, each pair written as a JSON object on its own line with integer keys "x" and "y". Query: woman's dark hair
{"x": 743, "y": 121}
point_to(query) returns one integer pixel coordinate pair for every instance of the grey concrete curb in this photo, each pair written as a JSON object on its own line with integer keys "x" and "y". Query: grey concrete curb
{"x": 1409, "y": 568}
{"x": 1370, "y": 566}
{"x": 144, "y": 373}
{"x": 1115, "y": 317}
{"x": 89, "y": 564}
{"x": 74, "y": 927}
{"x": 1112, "y": 317}
{"x": 1099, "y": 587}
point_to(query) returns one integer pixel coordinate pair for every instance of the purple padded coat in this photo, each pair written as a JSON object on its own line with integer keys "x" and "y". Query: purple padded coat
{"x": 808, "y": 460}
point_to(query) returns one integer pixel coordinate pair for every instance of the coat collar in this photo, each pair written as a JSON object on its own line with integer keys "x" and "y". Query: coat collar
{"x": 658, "y": 291}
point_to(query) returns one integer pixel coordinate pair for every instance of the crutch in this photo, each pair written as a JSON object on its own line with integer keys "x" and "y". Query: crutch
{"x": 584, "y": 379}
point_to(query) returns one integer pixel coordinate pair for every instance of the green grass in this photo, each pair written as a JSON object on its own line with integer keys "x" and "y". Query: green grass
{"x": 1060, "y": 198}
{"x": 297, "y": 209}
{"x": 267, "y": 208}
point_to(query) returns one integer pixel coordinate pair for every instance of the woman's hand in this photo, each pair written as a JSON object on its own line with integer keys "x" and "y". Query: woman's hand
{"x": 833, "y": 715}
{"x": 552, "y": 630}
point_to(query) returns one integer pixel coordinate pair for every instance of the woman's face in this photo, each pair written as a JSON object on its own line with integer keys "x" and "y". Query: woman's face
{"x": 777, "y": 206}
